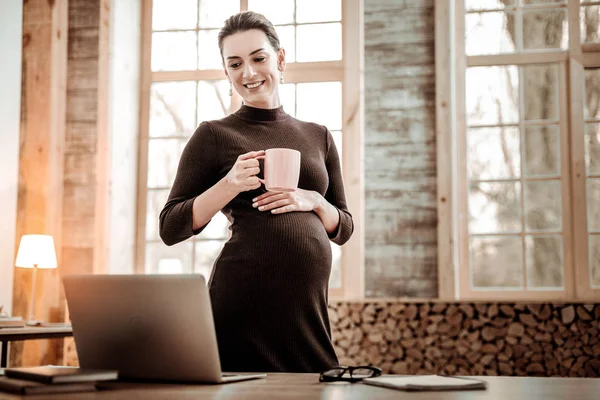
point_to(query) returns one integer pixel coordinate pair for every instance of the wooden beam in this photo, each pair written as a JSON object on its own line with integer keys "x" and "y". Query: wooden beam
{"x": 444, "y": 104}
{"x": 41, "y": 163}
{"x": 142, "y": 178}
{"x": 461, "y": 212}
{"x": 538, "y": 57}
{"x": 353, "y": 114}
{"x": 565, "y": 181}
{"x": 101, "y": 214}
{"x": 296, "y": 72}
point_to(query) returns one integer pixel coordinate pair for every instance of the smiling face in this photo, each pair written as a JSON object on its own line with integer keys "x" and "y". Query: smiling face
{"x": 254, "y": 67}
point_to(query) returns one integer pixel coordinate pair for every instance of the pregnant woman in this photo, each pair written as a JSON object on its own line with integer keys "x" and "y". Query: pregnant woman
{"x": 269, "y": 284}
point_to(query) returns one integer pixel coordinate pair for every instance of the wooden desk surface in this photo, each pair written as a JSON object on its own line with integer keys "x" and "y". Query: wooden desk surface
{"x": 307, "y": 386}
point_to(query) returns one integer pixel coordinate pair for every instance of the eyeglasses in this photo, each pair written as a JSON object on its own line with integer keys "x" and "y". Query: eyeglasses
{"x": 356, "y": 374}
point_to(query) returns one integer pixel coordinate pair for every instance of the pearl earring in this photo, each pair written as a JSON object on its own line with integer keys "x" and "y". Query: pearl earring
{"x": 281, "y": 80}
{"x": 230, "y": 89}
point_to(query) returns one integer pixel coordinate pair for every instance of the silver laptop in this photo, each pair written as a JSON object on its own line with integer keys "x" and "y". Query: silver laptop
{"x": 148, "y": 327}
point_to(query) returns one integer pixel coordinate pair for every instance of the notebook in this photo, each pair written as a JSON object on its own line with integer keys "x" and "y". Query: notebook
{"x": 11, "y": 322}
{"x": 426, "y": 382}
{"x": 54, "y": 374}
{"x": 24, "y": 387}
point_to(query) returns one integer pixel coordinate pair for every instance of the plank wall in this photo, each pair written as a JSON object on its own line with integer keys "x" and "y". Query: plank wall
{"x": 400, "y": 169}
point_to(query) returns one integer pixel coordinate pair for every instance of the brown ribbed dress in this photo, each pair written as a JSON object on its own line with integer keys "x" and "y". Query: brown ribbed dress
{"x": 269, "y": 284}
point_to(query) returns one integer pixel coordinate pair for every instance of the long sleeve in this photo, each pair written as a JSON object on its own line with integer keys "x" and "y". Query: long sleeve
{"x": 335, "y": 194}
{"x": 195, "y": 175}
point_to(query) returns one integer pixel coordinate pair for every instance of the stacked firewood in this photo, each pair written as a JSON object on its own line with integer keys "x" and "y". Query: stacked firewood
{"x": 469, "y": 338}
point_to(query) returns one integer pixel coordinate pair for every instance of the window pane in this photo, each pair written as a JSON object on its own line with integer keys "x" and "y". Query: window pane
{"x": 594, "y": 244}
{"x": 593, "y": 205}
{"x": 496, "y": 261}
{"x": 173, "y": 51}
{"x": 217, "y": 228}
{"x": 209, "y": 55}
{"x": 489, "y": 33}
{"x": 493, "y": 153}
{"x": 544, "y": 261}
{"x": 287, "y": 40}
{"x": 155, "y": 201}
{"x": 278, "y": 12}
{"x": 318, "y": 10}
{"x": 213, "y": 100}
{"x": 542, "y": 150}
{"x": 213, "y": 13}
{"x": 319, "y": 42}
{"x": 495, "y": 207}
{"x": 472, "y": 5}
{"x": 172, "y": 107}
{"x": 543, "y": 205}
{"x": 541, "y": 92}
{"x": 163, "y": 158}
{"x": 592, "y": 148}
{"x": 492, "y": 95}
{"x": 207, "y": 252}
{"x": 320, "y": 102}
{"x": 545, "y": 29}
{"x": 592, "y": 94}
{"x": 335, "y": 280}
{"x": 589, "y": 16}
{"x": 287, "y": 96}
{"x": 169, "y": 14}
{"x": 163, "y": 259}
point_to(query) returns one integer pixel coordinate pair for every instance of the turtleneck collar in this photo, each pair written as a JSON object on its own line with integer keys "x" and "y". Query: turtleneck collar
{"x": 261, "y": 114}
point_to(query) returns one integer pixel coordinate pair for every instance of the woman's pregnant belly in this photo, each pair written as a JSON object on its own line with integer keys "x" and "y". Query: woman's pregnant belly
{"x": 287, "y": 249}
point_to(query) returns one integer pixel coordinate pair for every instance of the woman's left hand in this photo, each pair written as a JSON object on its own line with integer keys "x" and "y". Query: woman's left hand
{"x": 283, "y": 202}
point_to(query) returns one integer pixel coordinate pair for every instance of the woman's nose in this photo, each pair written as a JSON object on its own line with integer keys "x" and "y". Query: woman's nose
{"x": 248, "y": 71}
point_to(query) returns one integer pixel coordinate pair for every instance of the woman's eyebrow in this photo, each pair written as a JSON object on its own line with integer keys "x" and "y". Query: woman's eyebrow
{"x": 254, "y": 52}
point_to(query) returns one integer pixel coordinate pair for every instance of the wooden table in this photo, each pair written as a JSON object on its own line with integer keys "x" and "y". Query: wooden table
{"x": 307, "y": 386}
{"x": 49, "y": 331}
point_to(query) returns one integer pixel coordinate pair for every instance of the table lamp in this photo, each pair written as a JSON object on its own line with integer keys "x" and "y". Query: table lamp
{"x": 35, "y": 251}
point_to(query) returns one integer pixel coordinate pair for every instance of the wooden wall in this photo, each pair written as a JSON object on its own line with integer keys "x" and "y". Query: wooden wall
{"x": 62, "y": 180}
{"x": 400, "y": 169}
{"x": 81, "y": 137}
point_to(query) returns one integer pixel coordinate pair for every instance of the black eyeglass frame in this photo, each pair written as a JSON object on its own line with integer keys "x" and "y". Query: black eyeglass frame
{"x": 343, "y": 369}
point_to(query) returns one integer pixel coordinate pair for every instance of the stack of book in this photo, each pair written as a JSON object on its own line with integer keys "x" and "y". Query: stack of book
{"x": 11, "y": 322}
{"x": 53, "y": 379}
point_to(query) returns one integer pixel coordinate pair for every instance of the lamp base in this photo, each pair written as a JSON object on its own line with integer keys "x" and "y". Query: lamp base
{"x": 34, "y": 322}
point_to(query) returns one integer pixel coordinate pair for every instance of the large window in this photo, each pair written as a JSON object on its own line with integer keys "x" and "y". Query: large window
{"x": 185, "y": 84}
{"x": 525, "y": 118}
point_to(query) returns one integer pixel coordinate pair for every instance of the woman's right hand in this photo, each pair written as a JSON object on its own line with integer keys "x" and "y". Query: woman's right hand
{"x": 242, "y": 176}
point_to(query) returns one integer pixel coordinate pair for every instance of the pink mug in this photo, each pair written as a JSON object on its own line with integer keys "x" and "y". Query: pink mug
{"x": 282, "y": 169}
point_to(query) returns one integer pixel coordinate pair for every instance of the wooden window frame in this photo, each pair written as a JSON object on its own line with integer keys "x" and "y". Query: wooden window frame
{"x": 349, "y": 71}
{"x": 453, "y": 240}
{"x": 581, "y": 56}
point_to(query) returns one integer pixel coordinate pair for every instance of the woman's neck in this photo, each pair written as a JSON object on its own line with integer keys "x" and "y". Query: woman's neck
{"x": 267, "y": 105}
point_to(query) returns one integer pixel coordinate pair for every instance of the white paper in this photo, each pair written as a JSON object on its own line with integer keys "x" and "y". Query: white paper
{"x": 424, "y": 380}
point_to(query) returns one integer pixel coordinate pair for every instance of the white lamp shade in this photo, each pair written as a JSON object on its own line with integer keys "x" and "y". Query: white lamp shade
{"x": 36, "y": 250}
